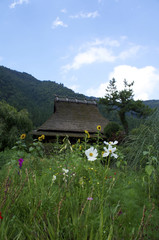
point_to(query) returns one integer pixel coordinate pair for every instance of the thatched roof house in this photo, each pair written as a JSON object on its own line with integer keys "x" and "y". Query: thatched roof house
{"x": 72, "y": 117}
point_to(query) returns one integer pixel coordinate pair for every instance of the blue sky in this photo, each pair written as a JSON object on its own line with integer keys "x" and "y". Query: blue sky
{"x": 84, "y": 43}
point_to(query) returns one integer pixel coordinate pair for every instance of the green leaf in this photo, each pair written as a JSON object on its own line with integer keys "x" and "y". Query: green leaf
{"x": 149, "y": 169}
{"x": 31, "y": 149}
{"x": 118, "y": 164}
{"x": 145, "y": 153}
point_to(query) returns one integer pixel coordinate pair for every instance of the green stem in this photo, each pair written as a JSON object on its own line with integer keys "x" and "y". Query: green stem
{"x": 108, "y": 161}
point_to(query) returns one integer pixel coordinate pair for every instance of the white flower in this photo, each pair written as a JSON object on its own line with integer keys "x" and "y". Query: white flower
{"x": 110, "y": 151}
{"x": 111, "y": 143}
{"x": 91, "y": 154}
{"x": 53, "y": 178}
{"x": 65, "y": 171}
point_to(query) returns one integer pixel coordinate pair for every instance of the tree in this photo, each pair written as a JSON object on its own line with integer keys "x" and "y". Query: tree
{"x": 12, "y": 124}
{"x": 123, "y": 102}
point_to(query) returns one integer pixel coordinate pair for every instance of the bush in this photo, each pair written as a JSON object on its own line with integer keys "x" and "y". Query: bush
{"x": 112, "y": 129}
{"x": 12, "y": 124}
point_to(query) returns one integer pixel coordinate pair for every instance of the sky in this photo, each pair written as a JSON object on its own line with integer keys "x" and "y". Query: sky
{"x": 83, "y": 44}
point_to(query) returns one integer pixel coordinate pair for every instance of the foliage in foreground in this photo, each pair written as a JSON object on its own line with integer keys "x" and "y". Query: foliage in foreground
{"x": 144, "y": 138}
{"x": 12, "y": 124}
{"x": 65, "y": 196}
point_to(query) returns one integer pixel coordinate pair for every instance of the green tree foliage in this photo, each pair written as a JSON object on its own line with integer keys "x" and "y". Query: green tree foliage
{"x": 22, "y": 90}
{"x": 12, "y": 124}
{"x": 123, "y": 102}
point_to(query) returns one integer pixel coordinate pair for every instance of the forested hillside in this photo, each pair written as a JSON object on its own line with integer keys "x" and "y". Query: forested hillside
{"x": 23, "y": 91}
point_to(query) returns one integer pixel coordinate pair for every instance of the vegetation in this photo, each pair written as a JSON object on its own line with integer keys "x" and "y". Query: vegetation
{"x": 123, "y": 102}
{"x": 88, "y": 190}
{"x": 12, "y": 124}
{"x": 55, "y": 196}
{"x": 23, "y": 91}
{"x": 111, "y": 129}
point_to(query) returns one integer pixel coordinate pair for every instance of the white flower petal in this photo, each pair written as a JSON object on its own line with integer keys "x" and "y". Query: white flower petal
{"x": 115, "y": 155}
{"x": 91, "y": 154}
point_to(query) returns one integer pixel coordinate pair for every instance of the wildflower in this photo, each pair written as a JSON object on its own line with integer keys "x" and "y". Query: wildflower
{"x": 40, "y": 139}
{"x": 99, "y": 128}
{"x": 43, "y": 136}
{"x": 1, "y": 216}
{"x": 91, "y": 154}
{"x": 115, "y": 173}
{"x": 80, "y": 147}
{"x": 89, "y": 198}
{"x": 20, "y": 162}
{"x": 53, "y": 178}
{"x": 50, "y": 168}
{"x": 110, "y": 151}
{"x": 111, "y": 143}
{"x": 88, "y": 135}
{"x": 79, "y": 140}
{"x": 65, "y": 171}
{"x": 23, "y": 136}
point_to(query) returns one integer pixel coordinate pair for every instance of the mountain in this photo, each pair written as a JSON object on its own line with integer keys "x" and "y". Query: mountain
{"x": 22, "y": 90}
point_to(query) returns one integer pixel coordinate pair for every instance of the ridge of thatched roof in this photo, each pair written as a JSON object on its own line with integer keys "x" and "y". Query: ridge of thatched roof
{"x": 75, "y": 100}
{"x": 72, "y": 117}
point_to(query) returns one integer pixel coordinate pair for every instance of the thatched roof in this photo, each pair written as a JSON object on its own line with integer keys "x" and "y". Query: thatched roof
{"x": 72, "y": 117}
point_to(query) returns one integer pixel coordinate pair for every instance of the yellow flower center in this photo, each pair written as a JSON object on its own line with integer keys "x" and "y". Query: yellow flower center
{"x": 91, "y": 154}
{"x": 110, "y": 151}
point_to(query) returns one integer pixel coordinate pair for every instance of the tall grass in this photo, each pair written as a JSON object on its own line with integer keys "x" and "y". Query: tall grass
{"x": 66, "y": 197}
{"x": 147, "y": 134}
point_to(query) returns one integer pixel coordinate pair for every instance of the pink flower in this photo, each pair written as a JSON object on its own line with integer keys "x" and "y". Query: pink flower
{"x": 89, "y": 198}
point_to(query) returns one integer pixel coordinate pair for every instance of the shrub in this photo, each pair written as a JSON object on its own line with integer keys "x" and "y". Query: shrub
{"x": 112, "y": 129}
{"x": 12, "y": 124}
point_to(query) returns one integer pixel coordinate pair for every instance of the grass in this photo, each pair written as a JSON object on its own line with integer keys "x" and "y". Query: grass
{"x": 88, "y": 202}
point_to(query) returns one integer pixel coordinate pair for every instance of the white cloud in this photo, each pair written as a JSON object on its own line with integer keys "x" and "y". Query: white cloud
{"x": 58, "y": 23}
{"x": 97, "y": 92}
{"x": 74, "y": 87}
{"x": 86, "y": 15}
{"x": 146, "y": 82}
{"x": 132, "y": 51}
{"x": 104, "y": 42}
{"x": 101, "y": 50}
{"x": 94, "y": 54}
{"x": 18, "y": 2}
